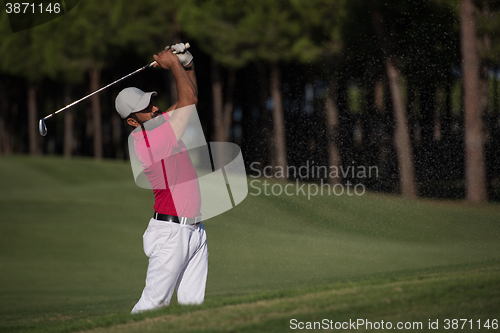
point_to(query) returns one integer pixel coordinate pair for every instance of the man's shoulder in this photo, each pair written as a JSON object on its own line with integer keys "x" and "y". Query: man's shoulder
{"x": 157, "y": 124}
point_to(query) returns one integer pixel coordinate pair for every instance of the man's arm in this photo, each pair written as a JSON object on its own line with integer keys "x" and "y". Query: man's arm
{"x": 192, "y": 75}
{"x": 186, "y": 91}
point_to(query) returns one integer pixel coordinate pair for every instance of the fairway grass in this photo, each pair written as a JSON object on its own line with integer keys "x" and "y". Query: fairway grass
{"x": 71, "y": 255}
{"x": 413, "y": 303}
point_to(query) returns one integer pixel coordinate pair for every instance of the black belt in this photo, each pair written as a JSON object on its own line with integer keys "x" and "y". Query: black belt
{"x": 178, "y": 219}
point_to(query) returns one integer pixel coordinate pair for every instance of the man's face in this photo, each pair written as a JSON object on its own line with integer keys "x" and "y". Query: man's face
{"x": 147, "y": 114}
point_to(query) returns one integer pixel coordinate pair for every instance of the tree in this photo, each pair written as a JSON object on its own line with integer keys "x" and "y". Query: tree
{"x": 237, "y": 32}
{"x": 89, "y": 38}
{"x": 402, "y": 137}
{"x": 429, "y": 40}
{"x": 475, "y": 176}
{"x": 319, "y": 42}
{"x": 51, "y": 39}
{"x": 89, "y": 32}
{"x": 5, "y": 134}
{"x": 217, "y": 27}
{"x": 14, "y": 47}
{"x": 332, "y": 131}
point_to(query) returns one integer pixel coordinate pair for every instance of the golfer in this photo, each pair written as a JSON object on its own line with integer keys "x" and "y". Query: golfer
{"x": 175, "y": 240}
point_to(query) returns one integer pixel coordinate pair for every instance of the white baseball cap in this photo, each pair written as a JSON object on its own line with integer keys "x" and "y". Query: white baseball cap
{"x": 131, "y": 100}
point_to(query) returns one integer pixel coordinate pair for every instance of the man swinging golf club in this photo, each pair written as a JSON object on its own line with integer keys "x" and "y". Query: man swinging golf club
{"x": 175, "y": 240}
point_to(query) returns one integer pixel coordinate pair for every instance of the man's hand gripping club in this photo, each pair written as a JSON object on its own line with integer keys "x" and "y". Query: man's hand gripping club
{"x": 186, "y": 88}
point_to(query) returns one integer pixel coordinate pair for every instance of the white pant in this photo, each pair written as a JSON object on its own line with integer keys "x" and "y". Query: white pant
{"x": 178, "y": 259}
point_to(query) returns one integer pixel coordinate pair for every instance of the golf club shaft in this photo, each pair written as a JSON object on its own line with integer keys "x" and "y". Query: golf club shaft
{"x": 95, "y": 92}
{"x": 109, "y": 85}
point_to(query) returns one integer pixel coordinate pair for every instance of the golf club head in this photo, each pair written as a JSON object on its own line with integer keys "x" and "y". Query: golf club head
{"x": 42, "y": 127}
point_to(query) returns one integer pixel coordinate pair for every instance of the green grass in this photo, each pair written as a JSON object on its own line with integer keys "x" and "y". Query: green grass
{"x": 71, "y": 255}
{"x": 408, "y": 301}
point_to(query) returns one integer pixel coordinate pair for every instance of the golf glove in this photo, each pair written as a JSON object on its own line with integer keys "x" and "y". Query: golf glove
{"x": 184, "y": 56}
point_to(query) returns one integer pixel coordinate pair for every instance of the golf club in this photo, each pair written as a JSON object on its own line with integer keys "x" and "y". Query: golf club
{"x": 42, "y": 127}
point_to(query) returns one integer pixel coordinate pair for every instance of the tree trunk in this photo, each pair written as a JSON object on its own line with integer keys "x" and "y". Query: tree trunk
{"x": 379, "y": 96}
{"x": 3, "y": 128}
{"x": 426, "y": 162}
{"x": 5, "y": 131}
{"x": 33, "y": 133}
{"x": 229, "y": 103}
{"x": 68, "y": 144}
{"x": 475, "y": 175}
{"x": 447, "y": 117}
{"x": 380, "y": 101}
{"x": 217, "y": 98}
{"x": 401, "y": 134}
{"x": 5, "y": 137}
{"x": 117, "y": 125}
{"x": 265, "y": 122}
{"x": 279, "y": 140}
{"x": 95, "y": 75}
{"x": 427, "y": 114}
{"x": 496, "y": 96}
{"x": 438, "y": 127}
{"x": 332, "y": 132}
{"x": 223, "y": 108}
